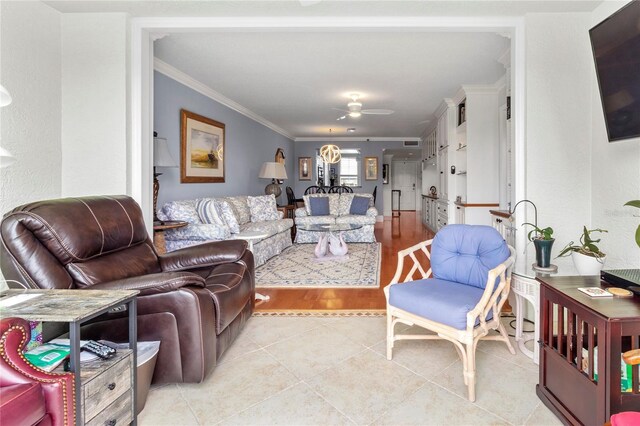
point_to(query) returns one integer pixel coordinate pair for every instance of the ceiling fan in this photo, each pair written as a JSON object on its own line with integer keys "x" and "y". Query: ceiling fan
{"x": 355, "y": 109}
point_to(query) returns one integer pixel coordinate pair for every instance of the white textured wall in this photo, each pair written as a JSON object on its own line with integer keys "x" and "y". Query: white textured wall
{"x": 558, "y": 126}
{"x": 95, "y": 103}
{"x": 615, "y": 177}
{"x": 30, "y": 62}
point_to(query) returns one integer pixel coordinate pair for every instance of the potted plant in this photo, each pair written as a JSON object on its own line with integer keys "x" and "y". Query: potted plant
{"x": 543, "y": 241}
{"x": 635, "y": 203}
{"x": 587, "y": 257}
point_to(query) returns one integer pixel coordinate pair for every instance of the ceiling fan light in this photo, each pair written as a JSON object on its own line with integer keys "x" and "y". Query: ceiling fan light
{"x": 355, "y": 114}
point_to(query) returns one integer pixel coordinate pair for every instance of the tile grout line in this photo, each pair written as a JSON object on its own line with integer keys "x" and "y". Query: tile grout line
{"x": 330, "y": 404}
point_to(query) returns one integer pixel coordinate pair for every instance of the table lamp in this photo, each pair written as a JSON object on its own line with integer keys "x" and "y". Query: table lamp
{"x": 274, "y": 171}
{"x": 161, "y": 158}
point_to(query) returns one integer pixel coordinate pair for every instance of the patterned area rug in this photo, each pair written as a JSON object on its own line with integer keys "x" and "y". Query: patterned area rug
{"x": 297, "y": 267}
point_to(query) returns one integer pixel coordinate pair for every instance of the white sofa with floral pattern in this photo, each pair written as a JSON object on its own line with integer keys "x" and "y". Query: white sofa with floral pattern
{"x": 339, "y": 213}
{"x": 231, "y": 217}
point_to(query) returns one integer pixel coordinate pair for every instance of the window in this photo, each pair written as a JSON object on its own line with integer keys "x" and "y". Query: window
{"x": 350, "y": 167}
{"x": 346, "y": 172}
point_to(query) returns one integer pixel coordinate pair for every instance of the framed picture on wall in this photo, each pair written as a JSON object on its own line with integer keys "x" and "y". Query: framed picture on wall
{"x": 385, "y": 174}
{"x": 371, "y": 168}
{"x": 304, "y": 168}
{"x": 202, "y": 144}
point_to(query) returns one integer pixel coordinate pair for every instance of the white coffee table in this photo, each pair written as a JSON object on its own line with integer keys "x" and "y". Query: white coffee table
{"x": 250, "y": 237}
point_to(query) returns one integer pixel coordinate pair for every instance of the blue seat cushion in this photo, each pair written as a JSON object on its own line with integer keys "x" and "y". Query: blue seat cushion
{"x": 359, "y": 205}
{"x": 465, "y": 253}
{"x": 437, "y": 300}
{"x": 319, "y": 206}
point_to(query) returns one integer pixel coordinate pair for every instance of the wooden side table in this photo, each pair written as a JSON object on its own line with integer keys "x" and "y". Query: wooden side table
{"x": 104, "y": 390}
{"x": 158, "y": 232}
{"x": 289, "y": 213}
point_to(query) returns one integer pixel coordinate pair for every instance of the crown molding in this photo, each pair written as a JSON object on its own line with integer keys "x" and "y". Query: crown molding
{"x": 356, "y": 139}
{"x": 183, "y": 78}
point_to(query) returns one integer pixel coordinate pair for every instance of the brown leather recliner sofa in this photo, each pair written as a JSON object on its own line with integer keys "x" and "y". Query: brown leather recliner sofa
{"x": 194, "y": 300}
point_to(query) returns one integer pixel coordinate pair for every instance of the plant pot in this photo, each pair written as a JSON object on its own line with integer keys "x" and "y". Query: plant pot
{"x": 543, "y": 252}
{"x": 587, "y": 265}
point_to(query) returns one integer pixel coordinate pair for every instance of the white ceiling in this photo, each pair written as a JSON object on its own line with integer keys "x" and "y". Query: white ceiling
{"x": 325, "y": 7}
{"x": 294, "y": 79}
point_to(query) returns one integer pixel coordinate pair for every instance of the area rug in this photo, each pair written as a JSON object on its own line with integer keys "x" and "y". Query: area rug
{"x": 297, "y": 267}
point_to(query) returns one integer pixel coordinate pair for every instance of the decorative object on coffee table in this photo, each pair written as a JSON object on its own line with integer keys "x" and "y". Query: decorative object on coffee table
{"x": 202, "y": 146}
{"x": 325, "y": 242}
{"x": 275, "y": 172}
{"x": 161, "y": 158}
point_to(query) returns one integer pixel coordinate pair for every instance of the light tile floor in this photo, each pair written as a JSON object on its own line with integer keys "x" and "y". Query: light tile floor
{"x": 333, "y": 371}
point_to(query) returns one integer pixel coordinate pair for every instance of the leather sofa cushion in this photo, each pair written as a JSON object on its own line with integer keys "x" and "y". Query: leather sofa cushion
{"x": 229, "y": 291}
{"x": 133, "y": 262}
{"x": 22, "y": 404}
{"x": 77, "y": 234}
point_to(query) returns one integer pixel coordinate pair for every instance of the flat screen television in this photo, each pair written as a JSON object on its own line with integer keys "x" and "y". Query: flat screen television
{"x": 616, "y": 49}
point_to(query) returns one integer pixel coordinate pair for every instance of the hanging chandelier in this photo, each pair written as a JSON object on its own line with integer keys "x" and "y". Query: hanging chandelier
{"x": 330, "y": 153}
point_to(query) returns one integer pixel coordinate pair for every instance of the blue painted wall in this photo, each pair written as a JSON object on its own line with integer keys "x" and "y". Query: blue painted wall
{"x": 248, "y": 145}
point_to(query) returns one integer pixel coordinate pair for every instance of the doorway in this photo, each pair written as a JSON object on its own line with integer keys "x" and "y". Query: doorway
{"x": 404, "y": 177}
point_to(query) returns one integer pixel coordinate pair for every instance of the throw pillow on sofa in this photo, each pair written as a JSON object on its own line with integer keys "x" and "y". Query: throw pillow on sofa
{"x": 359, "y": 206}
{"x": 263, "y": 208}
{"x": 226, "y": 211}
{"x": 319, "y": 206}
{"x": 184, "y": 210}
{"x": 208, "y": 212}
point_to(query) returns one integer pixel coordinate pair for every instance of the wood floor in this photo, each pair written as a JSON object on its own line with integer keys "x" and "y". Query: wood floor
{"x": 394, "y": 234}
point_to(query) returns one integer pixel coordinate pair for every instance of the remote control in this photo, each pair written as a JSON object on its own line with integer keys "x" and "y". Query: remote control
{"x": 103, "y": 351}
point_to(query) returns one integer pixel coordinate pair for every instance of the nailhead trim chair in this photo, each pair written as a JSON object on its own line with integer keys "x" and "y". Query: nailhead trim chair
{"x": 459, "y": 297}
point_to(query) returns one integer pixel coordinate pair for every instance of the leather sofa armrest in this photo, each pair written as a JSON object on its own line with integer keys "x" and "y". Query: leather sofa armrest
{"x": 163, "y": 282}
{"x": 202, "y": 255}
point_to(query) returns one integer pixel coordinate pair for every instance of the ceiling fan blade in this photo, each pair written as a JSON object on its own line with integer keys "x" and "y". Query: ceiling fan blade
{"x": 377, "y": 111}
{"x": 341, "y": 118}
{"x": 339, "y": 109}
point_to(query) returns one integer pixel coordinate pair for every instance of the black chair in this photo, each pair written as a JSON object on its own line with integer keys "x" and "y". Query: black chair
{"x": 375, "y": 191}
{"x": 314, "y": 189}
{"x": 291, "y": 198}
{"x": 340, "y": 189}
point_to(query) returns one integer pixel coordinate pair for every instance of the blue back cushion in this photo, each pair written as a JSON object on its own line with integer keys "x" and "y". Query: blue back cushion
{"x": 359, "y": 205}
{"x": 319, "y": 206}
{"x": 465, "y": 253}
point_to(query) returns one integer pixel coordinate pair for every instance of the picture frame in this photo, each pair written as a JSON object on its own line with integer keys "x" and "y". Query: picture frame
{"x": 304, "y": 168}
{"x": 371, "y": 168}
{"x": 202, "y": 149}
{"x": 385, "y": 174}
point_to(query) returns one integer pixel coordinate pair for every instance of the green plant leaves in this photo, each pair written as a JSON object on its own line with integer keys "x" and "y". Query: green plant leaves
{"x": 636, "y": 204}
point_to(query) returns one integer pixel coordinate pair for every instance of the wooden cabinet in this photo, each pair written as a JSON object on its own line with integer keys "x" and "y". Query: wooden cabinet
{"x": 579, "y": 386}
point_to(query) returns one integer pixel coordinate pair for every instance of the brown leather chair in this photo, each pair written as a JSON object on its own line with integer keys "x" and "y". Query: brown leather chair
{"x": 194, "y": 300}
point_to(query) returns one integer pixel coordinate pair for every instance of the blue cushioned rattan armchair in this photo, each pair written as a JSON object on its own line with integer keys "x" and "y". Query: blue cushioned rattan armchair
{"x": 459, "y": 297}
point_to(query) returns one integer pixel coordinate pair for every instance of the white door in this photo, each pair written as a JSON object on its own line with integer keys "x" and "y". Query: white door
{"x": 404, "y": 178}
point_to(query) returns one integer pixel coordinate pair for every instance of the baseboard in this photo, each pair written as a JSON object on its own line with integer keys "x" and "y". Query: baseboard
{"x": 379, "y": 218}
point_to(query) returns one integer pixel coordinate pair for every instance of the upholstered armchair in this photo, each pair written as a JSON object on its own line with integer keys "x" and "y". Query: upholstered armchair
{"x": 28, "y": 395}
{"x": 194, "y": 300}
{"x": 458, "y": 297}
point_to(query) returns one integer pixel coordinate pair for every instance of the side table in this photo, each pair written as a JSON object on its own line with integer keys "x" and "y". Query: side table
{"x": 289, "y": 213}
{"x": 250, "y": 237}
{"x": 104, "y": 390}
{"x": 527, "y": 288}
{"x": 158, "y": 232}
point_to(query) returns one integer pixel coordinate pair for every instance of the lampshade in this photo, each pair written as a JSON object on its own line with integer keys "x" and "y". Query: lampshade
{"x": 6, "y": 159}
{"x": 330, "y": 154}
{"x": 5, "y": 97}
{"x": 161, "y": 155}
{"x": 273, "y": 170}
